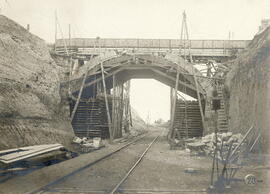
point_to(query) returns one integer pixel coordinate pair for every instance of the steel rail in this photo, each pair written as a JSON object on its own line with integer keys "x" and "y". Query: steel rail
{"x": 115, "y": 189}
{"x": 133, "y": 191}
{"x": 166, "y": 191}
{"x": 47, "y": 187}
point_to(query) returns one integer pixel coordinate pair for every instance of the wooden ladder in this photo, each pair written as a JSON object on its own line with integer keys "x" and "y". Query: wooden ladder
{"x": 222, "y": 113}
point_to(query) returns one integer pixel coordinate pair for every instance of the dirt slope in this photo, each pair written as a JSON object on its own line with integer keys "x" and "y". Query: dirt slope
{"x": 249, "y": 85}
{"x": 29, "y": 91}
{"x": 138, "y": 124}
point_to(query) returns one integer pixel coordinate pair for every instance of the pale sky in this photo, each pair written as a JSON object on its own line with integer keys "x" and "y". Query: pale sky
{"x": 149, "y": 96}
{"x": 207, "y": 19}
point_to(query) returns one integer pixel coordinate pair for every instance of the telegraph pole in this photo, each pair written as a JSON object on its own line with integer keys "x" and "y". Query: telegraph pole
{"x": 55, "y": 33}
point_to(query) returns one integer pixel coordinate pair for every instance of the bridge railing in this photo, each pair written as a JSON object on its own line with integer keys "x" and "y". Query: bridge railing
{"x": 194, "y": 52}
{"x": 151, "y": 43}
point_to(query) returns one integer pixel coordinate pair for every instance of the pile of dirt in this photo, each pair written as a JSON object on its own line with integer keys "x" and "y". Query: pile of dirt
{"x": 249, "y": 84}
{"x": 30, "y": 108}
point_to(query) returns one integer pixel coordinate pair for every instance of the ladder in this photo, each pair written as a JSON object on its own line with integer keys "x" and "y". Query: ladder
{"x": 222, "y": 113}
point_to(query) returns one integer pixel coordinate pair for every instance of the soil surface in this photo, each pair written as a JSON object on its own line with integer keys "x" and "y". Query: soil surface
{"x": 160, "y": 171}
{"x": 30, "y": 103}
{"x": 248, "y": 83}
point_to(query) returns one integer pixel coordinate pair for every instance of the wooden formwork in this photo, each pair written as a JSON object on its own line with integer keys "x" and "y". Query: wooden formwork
{"x": 188, "y": 120}
{"x": 90, "y": 119}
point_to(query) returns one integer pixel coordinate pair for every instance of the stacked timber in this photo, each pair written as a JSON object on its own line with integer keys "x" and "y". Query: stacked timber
{"x": 90, "y": 119}
{"x": 188, "y": 121}
{"x": 104, "y": 127}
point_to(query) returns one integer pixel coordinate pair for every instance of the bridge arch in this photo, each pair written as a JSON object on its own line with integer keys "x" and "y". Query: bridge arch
{"x": 131, "y": 66}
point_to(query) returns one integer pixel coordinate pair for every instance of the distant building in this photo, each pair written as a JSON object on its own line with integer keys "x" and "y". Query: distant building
{"x": 264, "y": 24}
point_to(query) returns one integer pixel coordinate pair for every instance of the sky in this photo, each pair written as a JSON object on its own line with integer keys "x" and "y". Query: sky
{"x": 207, "y": 19}
{"x": 150, "y": 97}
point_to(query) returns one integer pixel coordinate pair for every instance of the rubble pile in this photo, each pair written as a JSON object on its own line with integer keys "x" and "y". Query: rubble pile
{"x": 226, "y": 142}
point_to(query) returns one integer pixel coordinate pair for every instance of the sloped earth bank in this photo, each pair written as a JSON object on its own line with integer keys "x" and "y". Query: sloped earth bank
{"x": 249, "y": 86}
{"x": 138, "y": 124}
{"x": 30, "y": 105}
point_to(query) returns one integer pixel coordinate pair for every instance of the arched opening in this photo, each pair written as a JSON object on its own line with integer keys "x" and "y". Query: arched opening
{"x": 111, "y": 108}
{"x": 151, "y": 99}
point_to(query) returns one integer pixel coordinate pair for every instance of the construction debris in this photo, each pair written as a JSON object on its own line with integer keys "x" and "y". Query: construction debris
{"x": 97, "y": 142}
{"x": 85, "y": 145}
{"x": 18, "y": 154}
{"x": 206, "y": 145}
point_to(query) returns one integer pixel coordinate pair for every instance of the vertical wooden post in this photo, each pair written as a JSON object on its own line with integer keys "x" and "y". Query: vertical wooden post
{"x": 68, "y": 48}
{"x": 171, "y": 101}
{"x": 106, "y": 102}
{"x": 174, "y": 103}
{"x": 114, "y": 108}
{"x": 121, "y": 109}
{"x": 199, "y": 100}
{"x": 80, "y": 92}
{"x": 128, "y": 115}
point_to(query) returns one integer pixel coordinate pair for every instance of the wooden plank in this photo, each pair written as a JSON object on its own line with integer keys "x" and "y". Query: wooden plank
{"x": 100, "y": 79}
{"x": 28, "y": 152}
{"x": 173, "y": 79}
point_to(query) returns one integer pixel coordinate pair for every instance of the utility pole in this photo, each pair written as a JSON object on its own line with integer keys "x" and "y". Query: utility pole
{"x": 69, "y": 35}
{"x": 28, "y": 27}
{"x": 184, "y": 39}
{"x": 55, "y": 32}
{"x": 174, "y": 98}
{"x": 194, "y": 73}
{"x": 148, "y": 119}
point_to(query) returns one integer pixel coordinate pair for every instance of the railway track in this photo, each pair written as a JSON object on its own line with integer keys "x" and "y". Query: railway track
{"x": 52, "y": 187}
{"x": 115, "y": 189}
{"x": 112, "y": 173}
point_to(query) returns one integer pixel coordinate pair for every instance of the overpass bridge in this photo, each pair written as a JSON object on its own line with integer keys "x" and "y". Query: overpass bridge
{"x": 100, "y": 71}
{"x": 219, "y": 50}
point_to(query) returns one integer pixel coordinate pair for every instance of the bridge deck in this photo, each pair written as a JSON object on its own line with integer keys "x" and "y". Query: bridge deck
{"x": 89, "y": 46}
